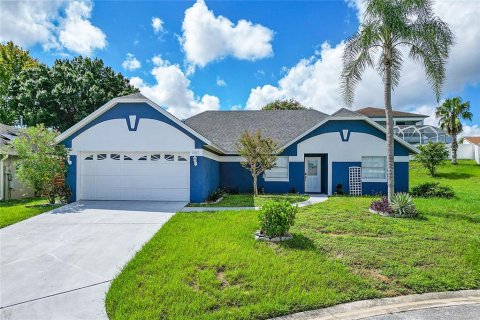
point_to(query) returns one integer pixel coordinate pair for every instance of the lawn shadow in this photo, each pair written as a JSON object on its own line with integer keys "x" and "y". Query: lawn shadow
{"x": 453, "y": 175}
{"x": 471, "y": 218}
{"x": 299, "y": 242}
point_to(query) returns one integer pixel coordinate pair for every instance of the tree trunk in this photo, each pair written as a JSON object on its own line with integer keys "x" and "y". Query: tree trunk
{"x": 255, "y": 189}
{"x": 390, "y": 136}
{"x": 454, "y": 148}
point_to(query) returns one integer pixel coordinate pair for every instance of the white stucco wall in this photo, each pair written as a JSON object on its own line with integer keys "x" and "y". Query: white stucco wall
{"x": 151, "y": 135}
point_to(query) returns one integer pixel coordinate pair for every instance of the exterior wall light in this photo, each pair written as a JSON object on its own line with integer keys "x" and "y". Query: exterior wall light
{"x": 195, "y": 161}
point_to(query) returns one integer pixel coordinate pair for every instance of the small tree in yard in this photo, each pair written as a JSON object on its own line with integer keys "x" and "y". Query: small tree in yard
{"x": 260, "y": 154}
{"x": 431, "y": 155}
{"x": 41, "y": 160}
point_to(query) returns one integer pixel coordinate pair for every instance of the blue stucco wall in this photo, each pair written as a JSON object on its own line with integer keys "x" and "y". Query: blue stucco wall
{"x": 71, "y": 177}
{"x": 204, "y": 178}
{"x": 234, "y": 176}
{"x": 340, "y": 176}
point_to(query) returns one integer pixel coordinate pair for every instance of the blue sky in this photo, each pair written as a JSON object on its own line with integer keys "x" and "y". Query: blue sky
{"x": 207, "y": 59}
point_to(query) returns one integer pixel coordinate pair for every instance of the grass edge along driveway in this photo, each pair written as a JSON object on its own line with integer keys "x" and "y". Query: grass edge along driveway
{"x": 13, "y": 211}
{"x": 208, "y": 266}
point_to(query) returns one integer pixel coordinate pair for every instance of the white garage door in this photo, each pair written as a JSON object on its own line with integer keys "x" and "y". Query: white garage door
{"x": 135, "y": 176}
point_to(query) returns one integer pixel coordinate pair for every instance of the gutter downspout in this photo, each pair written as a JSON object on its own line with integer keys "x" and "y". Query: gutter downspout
{"x": 2, "y": 176}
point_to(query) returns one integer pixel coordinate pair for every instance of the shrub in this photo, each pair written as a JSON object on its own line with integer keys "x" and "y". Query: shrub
{"x": 215, "y": 195}
{"x": 339, "y": 189}
{"x": 63, "y": 193}
{"x": 432, "y": 190}
{"x": 431, "y": 155}
{"x": 276, "y": 218}
{"x": 381, "y": 205}
{"x": 403, "y": 206}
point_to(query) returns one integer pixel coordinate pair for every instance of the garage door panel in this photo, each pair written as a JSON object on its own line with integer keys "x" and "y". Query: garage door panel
{"x": 106, "y": 178}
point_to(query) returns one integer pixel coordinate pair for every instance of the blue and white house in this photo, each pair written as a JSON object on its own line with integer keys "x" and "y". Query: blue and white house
{"x": 132, "y": 149}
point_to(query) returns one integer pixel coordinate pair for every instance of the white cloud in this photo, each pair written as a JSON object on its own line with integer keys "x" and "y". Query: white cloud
{"x": 469, "y": 131}
{"x": 131, "y": 63}
{"x": 207, "y": 38}
{"x": 55, "y": 24}
{"x": 77, "y": 34}
{"x": 172, "y": 90}
{"x": 315, "y": 81}
{"x": 221, "y": 82}
{"x": 157, "y": 25}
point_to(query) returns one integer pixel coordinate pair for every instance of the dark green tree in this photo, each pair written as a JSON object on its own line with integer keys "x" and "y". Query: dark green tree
{"x": 450, "y": 114}
{"x": 389, "y": 27}
{"x": 13, "y": 60}
{"x": 290, "y": 104}
{"x": 64, "y": 94}
{"x": 431, "y": 156}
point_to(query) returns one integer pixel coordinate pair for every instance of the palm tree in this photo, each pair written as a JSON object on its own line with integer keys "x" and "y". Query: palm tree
{"x": 450, "y": 114}
{"x": 389, "y": 29}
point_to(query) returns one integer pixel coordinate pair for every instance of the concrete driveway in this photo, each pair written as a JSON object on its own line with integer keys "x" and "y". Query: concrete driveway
{"x": 59, "y": 265}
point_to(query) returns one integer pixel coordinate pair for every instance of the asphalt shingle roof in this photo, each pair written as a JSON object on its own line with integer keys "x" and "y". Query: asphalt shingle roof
{"x": 7, "y": 134}
{"x": 380, "y": 112}
{"x": 134, "y": 96}
{"x": 346, "y": 113}
{"x": 474, "y": 140}
{"x": 224, "y": 128}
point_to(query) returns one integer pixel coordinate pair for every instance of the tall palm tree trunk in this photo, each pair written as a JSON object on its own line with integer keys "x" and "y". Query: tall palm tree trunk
{"x": 389, "y": 138}
{"x": 454, "y": 148}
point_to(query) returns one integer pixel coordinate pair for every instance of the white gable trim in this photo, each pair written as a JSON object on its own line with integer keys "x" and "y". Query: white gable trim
{"x": 364, "y": 118}
{"x": 110, "y": 104}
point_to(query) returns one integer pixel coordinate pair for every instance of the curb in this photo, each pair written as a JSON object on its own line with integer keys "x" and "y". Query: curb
{"x": 375, "y": 307}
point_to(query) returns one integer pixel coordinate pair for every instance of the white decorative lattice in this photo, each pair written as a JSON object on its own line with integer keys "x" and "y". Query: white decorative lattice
{"x": 355, "y": 180}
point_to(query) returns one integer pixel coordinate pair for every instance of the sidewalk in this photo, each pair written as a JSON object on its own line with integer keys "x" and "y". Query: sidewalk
{"x": 393, "y": 306}
{"x": 314, "y": 199}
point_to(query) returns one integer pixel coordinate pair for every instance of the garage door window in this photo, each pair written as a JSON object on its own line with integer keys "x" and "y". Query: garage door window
{"x": 115, "y": 156}
{"x": 101, "y": 156}
{"x": 169, "y": 157}
{"x": 90, "y": 157}
{"x": 155, "y": 157}
{"x": 180, "y": 158}
{"x": 125, "y": 157}
{"x": 143, "y": 158}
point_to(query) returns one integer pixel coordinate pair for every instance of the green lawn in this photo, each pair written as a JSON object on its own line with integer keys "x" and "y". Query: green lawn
{"x": 248, "y": 200}
{"x": 208, "y": 266}
{"x": 13, "y": 211}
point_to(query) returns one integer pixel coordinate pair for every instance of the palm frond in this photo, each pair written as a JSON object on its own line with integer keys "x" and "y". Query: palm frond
{"x": 357, "y": 56}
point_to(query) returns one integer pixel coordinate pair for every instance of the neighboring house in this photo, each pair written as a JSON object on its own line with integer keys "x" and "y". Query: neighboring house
{"x": 10, "y": 186}
{"x": 132, "y": 149}
{"x": 408, "y": 126}
{"x": 474, "y": 142}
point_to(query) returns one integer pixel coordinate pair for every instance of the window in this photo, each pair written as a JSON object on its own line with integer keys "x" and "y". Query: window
{"x": 101, "y": 156}
{"x": 115, "y": 156}
{"x": 143, "y": 158}
{"x": 374, "y": 168}
{"x": 180, "y": 158}
{"x": 125, "y": 157}
{"x": 169, "y": 157}
{"x": 279, "y": 172}
{"x": 90, "y": 157}
{"x": 155, "y": 157}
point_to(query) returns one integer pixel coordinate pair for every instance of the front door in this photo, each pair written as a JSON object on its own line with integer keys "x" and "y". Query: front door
{"x": 312, "y": 175}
